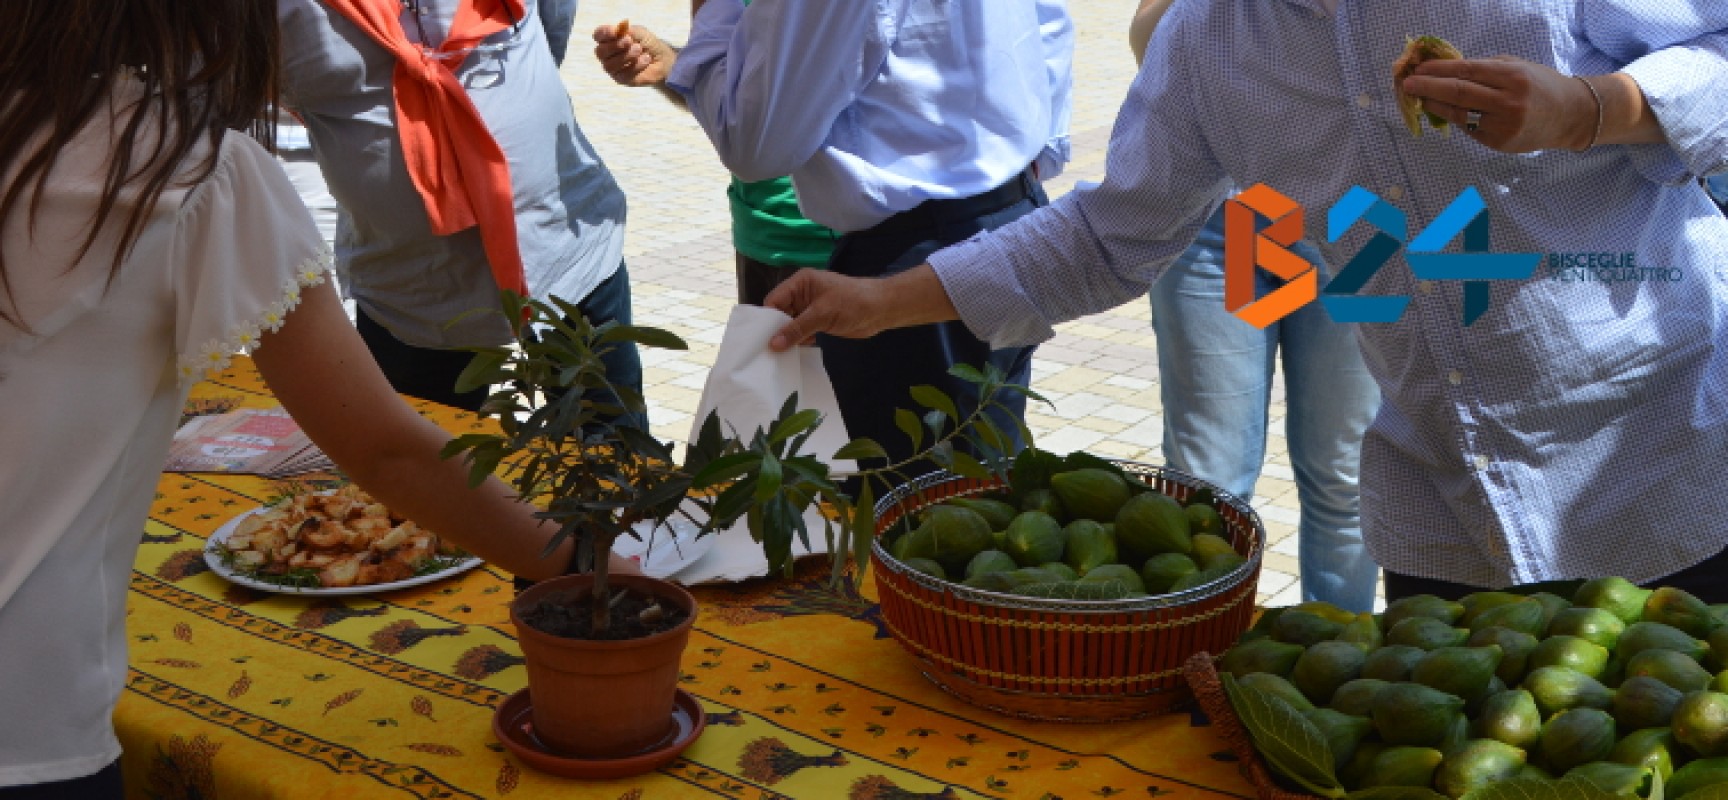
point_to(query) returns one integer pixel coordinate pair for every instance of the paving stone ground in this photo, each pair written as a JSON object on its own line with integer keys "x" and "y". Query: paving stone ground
{"x": 1101, "y": 372}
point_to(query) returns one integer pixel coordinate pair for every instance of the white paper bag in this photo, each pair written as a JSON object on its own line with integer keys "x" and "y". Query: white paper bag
{"x": 734, "y": 556}
{"x": 748, "y": 385}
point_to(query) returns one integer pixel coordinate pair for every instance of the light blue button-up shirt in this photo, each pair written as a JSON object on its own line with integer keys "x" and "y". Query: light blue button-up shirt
{"x": 1579, "y": 427}
{"x": 874, "y": 106}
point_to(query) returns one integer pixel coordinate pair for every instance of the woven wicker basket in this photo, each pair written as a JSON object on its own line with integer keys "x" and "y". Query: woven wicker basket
{"x": 1064, "y": 660}
{"x": 1208, "y": 690}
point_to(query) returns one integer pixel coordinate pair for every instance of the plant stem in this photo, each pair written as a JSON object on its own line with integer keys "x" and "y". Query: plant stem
{"x": 600, "y": 609}
{"x": 986, "y": 401}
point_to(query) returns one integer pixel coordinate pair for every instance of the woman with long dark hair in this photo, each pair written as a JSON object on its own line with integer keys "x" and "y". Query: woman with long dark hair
{"x": 143, "y": 240}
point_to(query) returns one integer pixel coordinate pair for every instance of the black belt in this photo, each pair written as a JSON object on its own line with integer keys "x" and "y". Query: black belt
{"x": 932, "y": 214}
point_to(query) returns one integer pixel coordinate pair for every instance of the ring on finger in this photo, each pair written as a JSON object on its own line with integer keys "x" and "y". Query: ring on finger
{"x": 1472, "y": 120}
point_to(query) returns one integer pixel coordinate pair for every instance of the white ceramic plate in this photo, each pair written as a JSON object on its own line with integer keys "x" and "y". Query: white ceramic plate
{"x": 221, "y": 536}
{"x": 668, "y": 550}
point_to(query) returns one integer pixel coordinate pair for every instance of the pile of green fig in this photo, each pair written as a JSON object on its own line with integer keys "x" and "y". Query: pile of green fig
{"x": 1075, "y": 528}
{"x": 1617, "y": 691}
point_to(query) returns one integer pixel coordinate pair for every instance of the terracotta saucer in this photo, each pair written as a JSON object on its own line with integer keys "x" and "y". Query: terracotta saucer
{"x": 514, "y": 726}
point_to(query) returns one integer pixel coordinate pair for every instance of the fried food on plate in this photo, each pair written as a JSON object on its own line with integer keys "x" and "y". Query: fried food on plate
{"x": 1416, "y": 51}
{"x": 346, "y": 538}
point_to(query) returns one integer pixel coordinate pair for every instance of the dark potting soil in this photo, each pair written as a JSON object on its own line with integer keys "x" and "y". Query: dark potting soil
{"x": 568, "y": 615}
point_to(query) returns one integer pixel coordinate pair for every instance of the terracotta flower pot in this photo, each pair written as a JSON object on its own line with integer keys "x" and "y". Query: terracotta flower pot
{"x": 609, "y": 699}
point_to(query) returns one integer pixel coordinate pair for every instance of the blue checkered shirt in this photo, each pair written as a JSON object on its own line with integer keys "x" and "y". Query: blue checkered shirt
{"x": 1580, "y": 426}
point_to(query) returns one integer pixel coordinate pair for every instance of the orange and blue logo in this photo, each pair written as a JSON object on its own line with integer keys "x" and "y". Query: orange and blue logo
{"x": 1246, "y": 250}
{"x": 1249, "y": 246}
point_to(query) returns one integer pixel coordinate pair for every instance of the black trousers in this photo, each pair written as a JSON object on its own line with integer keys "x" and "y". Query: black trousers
{"x": 757, "y": 278}
{"x": 1707, "y": 580}
{"x": 104, "y": 785}
{"x": 873, "y": 377}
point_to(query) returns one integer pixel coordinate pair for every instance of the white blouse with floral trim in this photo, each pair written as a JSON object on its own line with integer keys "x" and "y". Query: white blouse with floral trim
{"x": 92, "y": 385}
{"x": 217, "y": 355}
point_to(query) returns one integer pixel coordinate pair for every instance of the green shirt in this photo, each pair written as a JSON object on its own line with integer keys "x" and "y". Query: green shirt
{"x": 767, "y": 226}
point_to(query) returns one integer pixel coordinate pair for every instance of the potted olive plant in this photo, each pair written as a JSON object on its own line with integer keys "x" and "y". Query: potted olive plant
{"x": 602, "y": 650}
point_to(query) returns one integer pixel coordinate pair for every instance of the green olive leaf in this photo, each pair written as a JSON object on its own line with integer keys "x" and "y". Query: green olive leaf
{"x": 969, "y": 467}
{"x": 908, "y": 422}
{"x": 1032, "y": 471}
{"x": 968, "y": 373}
{"x": 860, "y": 449}
{"x": 650, "y": 337}
{"x": 1083, "y": 460}
{"x": 1288, "y": 741}
{"x": 485, "y": 369}
{"x": 787, "y": 427}
{"x": 767, "y": 478}
{"x": 933, "y": 398}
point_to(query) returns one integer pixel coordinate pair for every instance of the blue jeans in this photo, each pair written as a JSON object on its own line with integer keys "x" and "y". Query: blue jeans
{"x": 1216, "y": 383}
{"x": 1717, "y": 187}
{"x": 556, "y": 19}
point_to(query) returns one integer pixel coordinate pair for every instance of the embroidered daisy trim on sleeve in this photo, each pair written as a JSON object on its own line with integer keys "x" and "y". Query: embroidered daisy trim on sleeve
{"x": 217, "y": 354}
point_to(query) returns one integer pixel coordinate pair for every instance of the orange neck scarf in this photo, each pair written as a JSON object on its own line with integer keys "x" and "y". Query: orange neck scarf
{"x": 456, "y": 165}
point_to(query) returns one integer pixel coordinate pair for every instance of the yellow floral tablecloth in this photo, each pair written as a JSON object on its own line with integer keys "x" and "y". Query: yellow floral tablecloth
{"x": 239, "y": 694}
